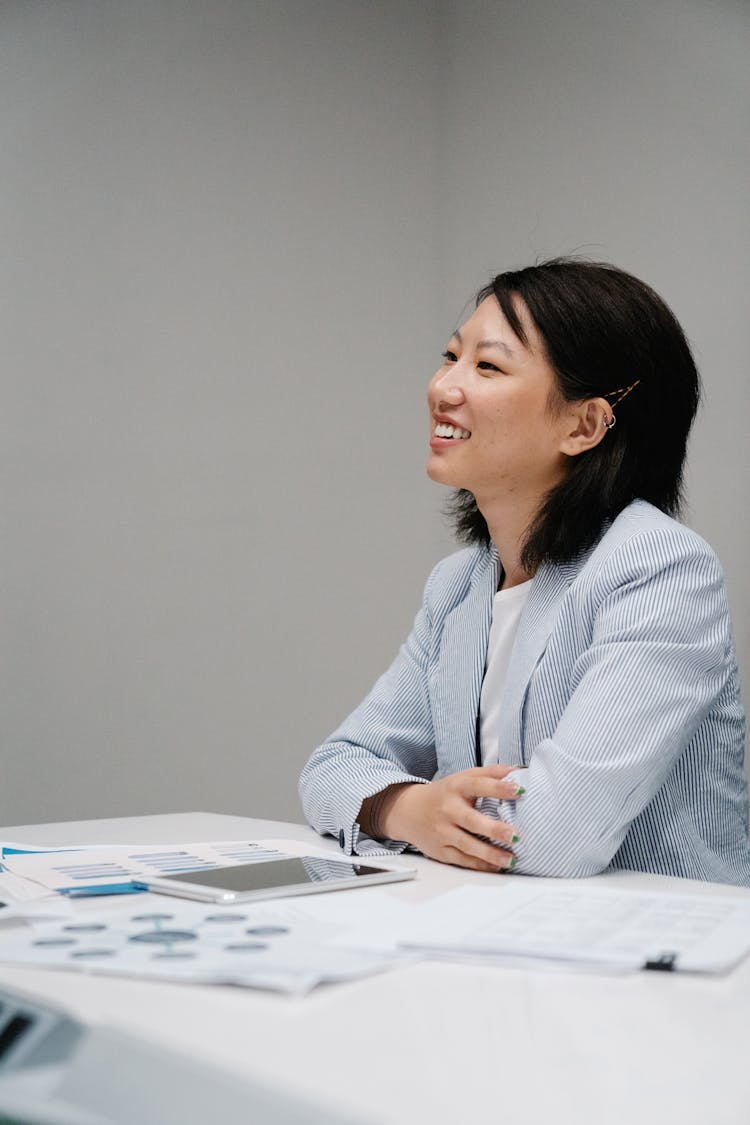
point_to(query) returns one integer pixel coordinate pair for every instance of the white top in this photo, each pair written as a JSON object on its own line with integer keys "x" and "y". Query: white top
{"x": 507, "y": 608}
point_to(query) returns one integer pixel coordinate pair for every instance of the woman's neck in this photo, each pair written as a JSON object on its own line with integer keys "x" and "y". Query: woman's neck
{"x": 508, "y": 523}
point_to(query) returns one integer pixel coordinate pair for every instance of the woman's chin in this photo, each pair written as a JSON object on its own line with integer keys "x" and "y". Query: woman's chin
{"x": 438, "y": 471}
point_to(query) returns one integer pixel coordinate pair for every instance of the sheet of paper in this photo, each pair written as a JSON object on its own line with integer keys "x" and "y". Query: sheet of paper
{"x": 280, "y": 945}
{"x": 49, "y": 907}
{"x": 586, "y": 924}
{"x": 14, "y": 889}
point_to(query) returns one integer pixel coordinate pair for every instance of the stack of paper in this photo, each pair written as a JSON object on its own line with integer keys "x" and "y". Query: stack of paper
{"x": 294, "y": 944}
{"x": 287, "y": 945}
{"x": 582, "y": 925}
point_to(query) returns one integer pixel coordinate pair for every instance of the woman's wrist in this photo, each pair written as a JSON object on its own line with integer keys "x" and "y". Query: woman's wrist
{"x": 376, "y": 816}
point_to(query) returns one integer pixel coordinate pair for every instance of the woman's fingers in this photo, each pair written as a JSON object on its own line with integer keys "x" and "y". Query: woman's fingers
{"x": 473, "y": 853}
{"x": 471, "y": 845}
{"x": 460, "y": 859}
{"x": 440, "y": 819}
{"x": 488, "y": 781}
{"x": 489, "y": 787}
{"x": 496, "y": 771}
{"x": 481, "y": 825}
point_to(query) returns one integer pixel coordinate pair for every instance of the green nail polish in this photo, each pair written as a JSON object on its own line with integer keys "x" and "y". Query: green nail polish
{"x": 520, "y": 791}
{"x": 515, "y": 838}
{"x": 512, "y": 863}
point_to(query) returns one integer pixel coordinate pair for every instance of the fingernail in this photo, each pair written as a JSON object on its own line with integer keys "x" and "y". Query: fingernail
{"x": 512, "y": 864}
{"x": 520, "y": 790}
{"x": 515, "y": 838}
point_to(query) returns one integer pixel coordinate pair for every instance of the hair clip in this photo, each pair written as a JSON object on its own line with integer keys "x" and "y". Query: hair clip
{"x": 621, "y": 392}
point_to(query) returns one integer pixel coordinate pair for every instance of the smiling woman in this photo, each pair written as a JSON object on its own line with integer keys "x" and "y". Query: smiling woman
{"x": 516, "y": 431}
{"x": 568, "y": 698}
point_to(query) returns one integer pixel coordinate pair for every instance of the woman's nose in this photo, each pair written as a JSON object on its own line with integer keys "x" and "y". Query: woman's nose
{"x": 447, "y": 391}
{"x": 446, "y": 387}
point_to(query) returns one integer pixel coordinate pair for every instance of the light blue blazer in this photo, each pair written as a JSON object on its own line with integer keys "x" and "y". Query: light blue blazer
{"x": 622, "y": 700}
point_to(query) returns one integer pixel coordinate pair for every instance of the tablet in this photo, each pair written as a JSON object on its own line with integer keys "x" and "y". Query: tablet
{"x": 277, "y": 878}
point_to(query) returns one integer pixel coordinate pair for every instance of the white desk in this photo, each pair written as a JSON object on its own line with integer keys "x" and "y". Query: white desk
{"x": 436, "y": 1042}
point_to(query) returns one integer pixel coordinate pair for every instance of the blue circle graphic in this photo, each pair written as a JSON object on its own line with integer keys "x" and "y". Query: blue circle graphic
{"x": 164, "y": 937}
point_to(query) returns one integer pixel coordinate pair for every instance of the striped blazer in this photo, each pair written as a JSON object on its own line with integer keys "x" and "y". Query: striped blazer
{"x": 621, "y": 698}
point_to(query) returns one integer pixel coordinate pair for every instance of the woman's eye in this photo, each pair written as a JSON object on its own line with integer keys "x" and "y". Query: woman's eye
{"x": 485, "y": 365}
{"x": 450, "y": 357}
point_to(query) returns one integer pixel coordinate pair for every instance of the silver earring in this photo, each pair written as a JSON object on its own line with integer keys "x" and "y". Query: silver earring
{"x": 611, "y": 424}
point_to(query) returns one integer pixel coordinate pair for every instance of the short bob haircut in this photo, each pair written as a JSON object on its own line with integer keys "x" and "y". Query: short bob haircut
{"x": 602, "y": 330}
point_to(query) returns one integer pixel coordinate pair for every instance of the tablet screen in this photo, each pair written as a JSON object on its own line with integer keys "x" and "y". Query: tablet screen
{"x": 275, "y": 873}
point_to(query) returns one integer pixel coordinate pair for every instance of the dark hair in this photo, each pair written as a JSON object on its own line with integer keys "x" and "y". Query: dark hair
{"x": 602, "y": 330}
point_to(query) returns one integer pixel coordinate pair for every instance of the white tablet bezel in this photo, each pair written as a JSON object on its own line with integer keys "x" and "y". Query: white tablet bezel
{"x": 178, "y": 886}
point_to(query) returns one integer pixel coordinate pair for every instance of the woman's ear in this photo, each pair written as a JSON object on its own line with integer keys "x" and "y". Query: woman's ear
{"x": 590, "y": 420}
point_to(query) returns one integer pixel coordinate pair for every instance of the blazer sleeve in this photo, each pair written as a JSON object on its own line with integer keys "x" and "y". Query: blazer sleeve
{"x": 659, "y": 659}
{"x": 387, "y": 740}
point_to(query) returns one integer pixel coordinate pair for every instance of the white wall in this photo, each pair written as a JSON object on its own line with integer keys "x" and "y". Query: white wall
{"x": 235, "y": 234}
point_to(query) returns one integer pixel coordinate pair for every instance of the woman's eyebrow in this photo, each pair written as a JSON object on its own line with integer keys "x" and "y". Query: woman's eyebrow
{"x": 489, "y": 344}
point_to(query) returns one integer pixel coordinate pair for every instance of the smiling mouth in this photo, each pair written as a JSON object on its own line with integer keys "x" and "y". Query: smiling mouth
{"x": 443, "y": 430}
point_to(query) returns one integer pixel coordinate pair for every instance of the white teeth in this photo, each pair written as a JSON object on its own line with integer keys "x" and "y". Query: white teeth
{"x": 442, "y": 429}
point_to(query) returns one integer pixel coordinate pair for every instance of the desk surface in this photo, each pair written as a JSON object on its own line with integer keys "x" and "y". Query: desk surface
{"x": 437, "y": 1042}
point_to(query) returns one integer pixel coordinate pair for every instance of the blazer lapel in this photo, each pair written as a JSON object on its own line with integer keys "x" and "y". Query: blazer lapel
{"x": 550, "y": 585}
{"x": 458, "y": 683}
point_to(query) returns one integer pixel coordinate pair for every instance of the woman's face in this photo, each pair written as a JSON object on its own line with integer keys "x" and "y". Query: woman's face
{"x": 495, "y": 429}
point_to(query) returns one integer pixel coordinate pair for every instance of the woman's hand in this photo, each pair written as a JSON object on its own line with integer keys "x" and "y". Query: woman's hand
{"x": 440, "y": 818}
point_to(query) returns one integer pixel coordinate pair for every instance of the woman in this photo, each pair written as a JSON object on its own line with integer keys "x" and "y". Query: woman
{"x": 580, "y": 649}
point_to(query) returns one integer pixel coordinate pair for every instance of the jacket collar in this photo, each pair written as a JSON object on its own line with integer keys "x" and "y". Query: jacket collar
{"x": 549, "y": 587}
{"x": 457, "y": 686}
{"x": 465, "y": 637}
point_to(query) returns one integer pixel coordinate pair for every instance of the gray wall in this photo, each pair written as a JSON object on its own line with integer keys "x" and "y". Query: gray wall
{"x": 235, "y": 234}
{"x": 219, "y": 312}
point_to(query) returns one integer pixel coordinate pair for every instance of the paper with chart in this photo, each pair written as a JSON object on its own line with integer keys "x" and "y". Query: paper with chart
{"x": 585, "y": 925}
{"x": 78, "y": 870}
{"x": 283, "y": 945}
